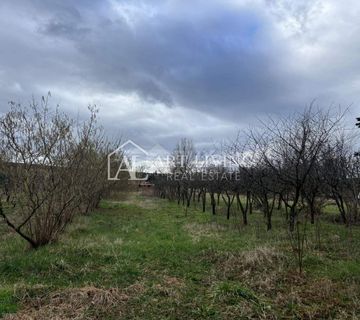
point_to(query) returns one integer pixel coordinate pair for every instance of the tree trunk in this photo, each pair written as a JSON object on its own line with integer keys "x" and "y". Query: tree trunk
{"x": 312, "y": 213}
{"x": 279, "y": 203}
{"x": 204, "y": 201}
{"x": 250, "y": 203}
{"x": 269, "y": 225}
{"x": 242, "y": 209}
{"x": 292, "y": 219}
{"x": 213, "y": 203}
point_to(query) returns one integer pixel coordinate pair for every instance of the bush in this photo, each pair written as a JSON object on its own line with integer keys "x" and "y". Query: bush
{"x": 54, "y": 169}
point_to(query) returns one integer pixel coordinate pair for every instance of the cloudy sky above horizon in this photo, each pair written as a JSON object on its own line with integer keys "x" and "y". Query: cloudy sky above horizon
{"x": 164, "y": 69}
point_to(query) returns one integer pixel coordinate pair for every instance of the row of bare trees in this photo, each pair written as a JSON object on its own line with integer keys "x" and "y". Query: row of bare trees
{"x": 297, "y": 163}
{"x": 52, "y": 168}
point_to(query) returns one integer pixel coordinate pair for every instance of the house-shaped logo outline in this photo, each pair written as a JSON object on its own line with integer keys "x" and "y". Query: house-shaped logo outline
{"x": 132, "y": 173}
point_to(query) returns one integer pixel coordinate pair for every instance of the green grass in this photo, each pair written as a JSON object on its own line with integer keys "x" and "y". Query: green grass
{"x": 7, "y": 302}
{"x": 188, "y": 265}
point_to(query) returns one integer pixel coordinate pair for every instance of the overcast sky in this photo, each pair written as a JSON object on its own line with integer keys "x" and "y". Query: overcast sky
{"x": 160, "y": 70}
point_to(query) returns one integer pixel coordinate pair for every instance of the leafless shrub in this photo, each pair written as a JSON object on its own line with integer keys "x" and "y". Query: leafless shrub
{"x": 52, "y": 167}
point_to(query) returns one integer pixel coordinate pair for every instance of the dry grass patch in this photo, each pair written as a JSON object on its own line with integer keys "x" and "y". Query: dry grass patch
{"x": 146, "y": 203}
{"x": 199, "y": 230}
{"x": 318, "y": 299}
{"x": 77, "y": 303}
{"x": 266, "y": 273}
{"x": 96, "y": 243}
{"x": 137, "y": 199}
{"x": 259, "y": 268}
{"x": 170, "y": 287}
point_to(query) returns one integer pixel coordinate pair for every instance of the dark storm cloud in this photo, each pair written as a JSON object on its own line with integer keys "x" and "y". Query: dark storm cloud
{"x": 230, "y": 60}
{"x": 222, "y": 58}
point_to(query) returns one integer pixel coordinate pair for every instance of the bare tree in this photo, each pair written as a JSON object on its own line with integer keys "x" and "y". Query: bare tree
{"x": 341, "y": 172}
{"x": 184, "y": 157}
{"x": 290, "y": 148}
{"x": 43, "y": 157}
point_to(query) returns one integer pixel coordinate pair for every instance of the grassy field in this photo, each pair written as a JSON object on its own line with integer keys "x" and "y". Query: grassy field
{"x": 147, "y": 258}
